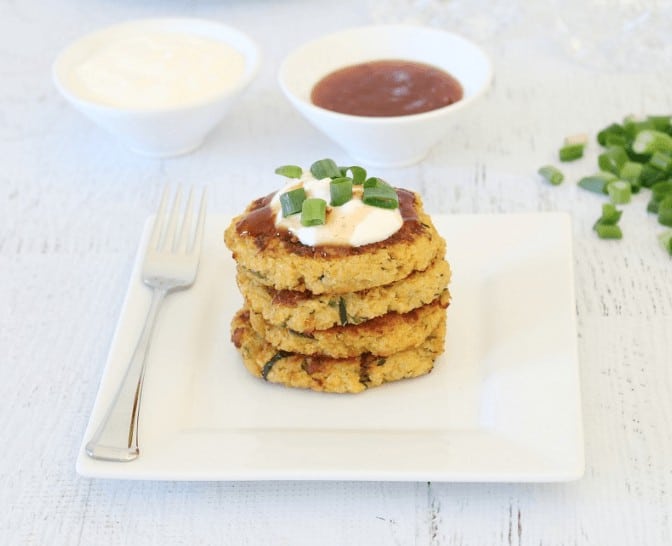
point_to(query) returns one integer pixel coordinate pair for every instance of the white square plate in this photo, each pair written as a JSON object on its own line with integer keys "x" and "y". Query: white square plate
{"x": 502, "y": 404}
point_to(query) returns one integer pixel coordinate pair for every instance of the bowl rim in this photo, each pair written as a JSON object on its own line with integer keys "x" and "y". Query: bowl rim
{"x": 384, "y": 120}
{"x": 251, "y": 54}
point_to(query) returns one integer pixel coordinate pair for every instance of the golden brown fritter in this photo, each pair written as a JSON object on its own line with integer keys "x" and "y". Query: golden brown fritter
{"x": 327, "y": 374}
{"x": 384, "y": 335}
{"x": 277, "y": 259}
{"x": 305, "y": 312}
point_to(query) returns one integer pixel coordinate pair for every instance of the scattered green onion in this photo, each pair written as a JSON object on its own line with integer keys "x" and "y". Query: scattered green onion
{"x": 375, "y": 182}
{"x": 358, "y": 174}
{"x": 325, "y": 168}
{"x": 552, "y": 174}
{"x": 649, "y": 141}
{"x": 606, "y": 231}
{"x": 610, "y": 215}
{"x": 662, "y": 161}
{"x": 340, "y": 190}
{"x": 613, "y": 159}
{"x": 598, "y": 182}
{"x": 290, "y": 171}
{"x": 665, "y": 211}
{"x": 631, "y": 172}
{"x": 620, "y": 192}
{"x": 292, "y": 201}
{"x": 614, "y": 131}
{"x": 606, "y": 225}
{"x": 571, "y": 152}
{"x": 313, "y": 212}
{"x": 665, "y": 239}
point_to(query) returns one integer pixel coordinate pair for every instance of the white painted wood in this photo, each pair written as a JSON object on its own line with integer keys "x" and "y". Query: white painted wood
{"x": 72, "y": 203}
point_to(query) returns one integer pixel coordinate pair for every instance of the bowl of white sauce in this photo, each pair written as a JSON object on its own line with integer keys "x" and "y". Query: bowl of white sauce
{"x": 159, "y": 85}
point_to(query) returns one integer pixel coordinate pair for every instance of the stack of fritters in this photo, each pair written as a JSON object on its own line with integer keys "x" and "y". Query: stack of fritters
{"x": 335, "y": 318}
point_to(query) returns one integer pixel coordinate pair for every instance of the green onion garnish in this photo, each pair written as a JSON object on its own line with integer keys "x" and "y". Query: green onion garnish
{"x": 610, "y": 215}
{"x": 606, "y": 225}
{"x": 665, "y": 211}
{"x": 340, "y": 190}
{"x": 650, "y": 141}
{"x": 358, "y": 174}
{"x": 384, "y": 197}
{"x": 552, "y": 174}
{"x": 313, "y": 212}
{"x": 292, "y": 201}
{"x": 620, "y": 192}
{"x": 570, "y": 152}
{"x": 290, "y": 171}
{"x": 614, "y": 131}
{"x": 631, "y": 172}
{"x": 613, "y": 159}
{"x": 375, "y": 182}
{"x": 661, "y": 161}
{"x": 607, "y": 231}
{"x": 665, "y": 239}
{"x": 325, "y": 168}
{"x": 598, "y": 182}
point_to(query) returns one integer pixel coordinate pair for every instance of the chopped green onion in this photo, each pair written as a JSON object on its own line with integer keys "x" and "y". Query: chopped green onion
{"x": 613, "y": 159}
{"x": 633, "y": 126}
{"x": 325, "y": 168}
{"x": 571, "y": 152}
{"x": 340, "y": 190}
{"x": 665, "y": 211}
{"x": 620, "y": 192}
{"x": 662, "y": 161}
{"x": 650, "y": 141}
{"x": 665, "y": 239}
{"x": 292, "y": 201}
{"x": 581, "y": 138}
{"x": 661, "y": 190}
{"x": 379, "y": 193}
{"x": 650, "y": 175}
{"x": 375, "y": 182}
{"x": 313, "y": 212}
{"x": 608, "y": 231}
{"x": 597, "y": 182}
{"x": 610, "y": 215}
{"x": 290, "y": 171}
{"x": 613, "y": 130}
{"x": 552, "y": 174}
{"x": 631, "y": 172}
{"x": 358, "y": 173}
{"x": 661, "y": 123}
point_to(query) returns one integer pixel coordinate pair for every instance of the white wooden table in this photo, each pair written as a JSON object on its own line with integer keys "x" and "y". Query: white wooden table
{"x": 72, "y": 205}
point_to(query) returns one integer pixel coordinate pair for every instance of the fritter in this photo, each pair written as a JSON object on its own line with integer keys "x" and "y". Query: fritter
{"x": 384, "y": 335}
{"x": 305, "y": 312}
{"x": 327, "y": 374}
{"x": 277, "y": 259}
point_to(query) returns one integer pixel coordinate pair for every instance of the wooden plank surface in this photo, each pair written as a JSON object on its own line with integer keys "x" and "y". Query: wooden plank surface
{"x": 72, "y": 205}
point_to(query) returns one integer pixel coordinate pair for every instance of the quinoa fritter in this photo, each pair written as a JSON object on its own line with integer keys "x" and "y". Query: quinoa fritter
{"x": 304, "y": 312}
{"x": 279, "y": 260}
{"x": 327, "y": 374}
{"x": 384, "y": 335}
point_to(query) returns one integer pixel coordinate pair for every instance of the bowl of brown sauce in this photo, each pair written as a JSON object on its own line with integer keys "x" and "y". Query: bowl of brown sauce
{"x": 386, "y": 93}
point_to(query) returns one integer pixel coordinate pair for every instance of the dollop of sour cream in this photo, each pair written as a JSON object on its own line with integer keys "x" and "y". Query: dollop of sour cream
{"x": 351, "y": 224}
{"x": 156, "y": 69}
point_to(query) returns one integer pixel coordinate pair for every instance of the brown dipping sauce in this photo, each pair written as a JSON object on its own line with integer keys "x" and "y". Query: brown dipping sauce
{"x": 386, "y": 88}
{"x": 259, "y": 222}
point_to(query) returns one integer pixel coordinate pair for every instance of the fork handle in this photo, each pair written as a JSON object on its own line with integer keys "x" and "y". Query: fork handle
{"x": 116, "y": 438}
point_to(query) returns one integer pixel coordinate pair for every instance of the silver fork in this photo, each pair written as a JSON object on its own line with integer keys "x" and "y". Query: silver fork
{"x": 171, "y": 262}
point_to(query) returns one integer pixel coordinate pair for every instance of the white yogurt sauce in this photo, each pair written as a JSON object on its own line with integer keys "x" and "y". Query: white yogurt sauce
{"x": 351, "y": 224}
{"x": 156, "y": 69}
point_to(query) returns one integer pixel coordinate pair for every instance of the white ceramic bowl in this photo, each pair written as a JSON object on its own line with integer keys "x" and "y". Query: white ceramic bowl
{"x": 385, "y": 141}
{"x": 165, "y": 131}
